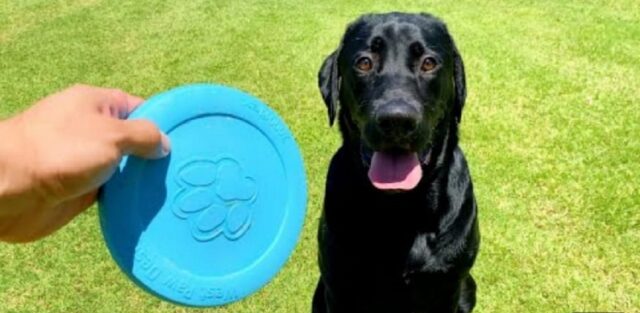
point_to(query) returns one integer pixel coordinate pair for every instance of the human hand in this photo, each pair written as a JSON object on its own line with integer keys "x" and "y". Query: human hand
{"x": 55, "y": 155}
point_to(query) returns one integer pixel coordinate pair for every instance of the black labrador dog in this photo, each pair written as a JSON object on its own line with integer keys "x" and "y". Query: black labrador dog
{"x": 399, "y": 230}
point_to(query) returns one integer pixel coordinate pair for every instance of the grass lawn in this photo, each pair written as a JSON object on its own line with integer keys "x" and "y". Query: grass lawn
{"x": 551, "y": 130}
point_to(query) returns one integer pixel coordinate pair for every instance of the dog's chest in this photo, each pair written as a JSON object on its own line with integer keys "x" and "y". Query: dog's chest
{"x": 427, "y": 255}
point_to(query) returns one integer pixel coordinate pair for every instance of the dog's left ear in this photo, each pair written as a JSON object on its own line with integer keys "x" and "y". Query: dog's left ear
{"x": 460, "y": 84}
{"x": 329, "y": 83}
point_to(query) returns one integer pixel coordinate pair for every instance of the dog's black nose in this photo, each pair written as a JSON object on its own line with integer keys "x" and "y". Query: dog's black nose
{"x": 397, "y": 119}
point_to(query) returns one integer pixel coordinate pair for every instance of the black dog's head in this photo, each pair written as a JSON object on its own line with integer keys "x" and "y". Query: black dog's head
{"x": 399, "y": 81}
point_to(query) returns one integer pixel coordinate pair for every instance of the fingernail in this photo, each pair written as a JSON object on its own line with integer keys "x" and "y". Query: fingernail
{"x": 166, "y": 145}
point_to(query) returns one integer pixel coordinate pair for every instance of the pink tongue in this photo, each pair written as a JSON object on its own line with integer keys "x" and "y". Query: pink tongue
{"x": 395, "y": 171}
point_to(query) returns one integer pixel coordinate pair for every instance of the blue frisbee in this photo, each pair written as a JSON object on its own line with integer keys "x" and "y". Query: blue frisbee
{"x": 215, "y": 220}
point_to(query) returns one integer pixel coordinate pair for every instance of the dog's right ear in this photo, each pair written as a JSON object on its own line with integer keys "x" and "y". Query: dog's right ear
{"x": 329, "y": 83}
{"x": 459, "y": 80}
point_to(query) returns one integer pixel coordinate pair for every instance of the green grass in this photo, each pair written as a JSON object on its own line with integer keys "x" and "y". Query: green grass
{"x": 551, "y": 130}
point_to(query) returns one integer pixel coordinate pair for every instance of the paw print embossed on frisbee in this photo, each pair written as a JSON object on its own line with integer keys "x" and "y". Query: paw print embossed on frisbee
{"x": 216, "y": 198}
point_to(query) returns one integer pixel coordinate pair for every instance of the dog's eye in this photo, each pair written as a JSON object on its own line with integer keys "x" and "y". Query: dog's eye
{"x": 428, "y": 64}
{"x": 364, "y": 64}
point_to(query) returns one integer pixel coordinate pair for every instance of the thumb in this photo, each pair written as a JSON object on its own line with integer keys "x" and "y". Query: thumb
{"x": 143, "y": 139}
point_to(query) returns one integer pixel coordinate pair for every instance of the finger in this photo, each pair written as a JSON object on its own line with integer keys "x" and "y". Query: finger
{"x": 142, "y": 138}
{"x": 133, "y": 102}
{"x": 123, "y": 102}
{"x": 110, "y": 101}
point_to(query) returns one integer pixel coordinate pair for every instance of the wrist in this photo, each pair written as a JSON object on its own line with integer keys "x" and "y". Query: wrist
{"x": 18, "y": 190}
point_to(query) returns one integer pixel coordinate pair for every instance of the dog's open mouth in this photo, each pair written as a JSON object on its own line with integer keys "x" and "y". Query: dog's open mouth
{"x": 399, "y": 170}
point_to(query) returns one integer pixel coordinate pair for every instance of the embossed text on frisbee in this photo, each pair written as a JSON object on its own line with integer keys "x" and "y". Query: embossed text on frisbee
{"x": 270, "y": 118}
{"x": 187, "y": 289}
